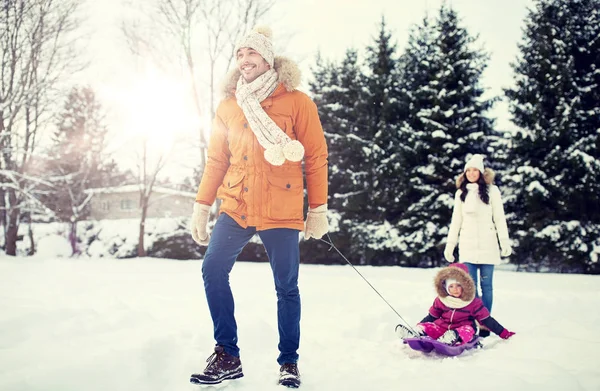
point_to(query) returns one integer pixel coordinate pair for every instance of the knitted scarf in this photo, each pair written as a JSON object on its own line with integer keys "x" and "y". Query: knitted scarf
{"x": 472, "y": 198}
{"x": 278, "y": 145}
{"x": 454, "y": 302}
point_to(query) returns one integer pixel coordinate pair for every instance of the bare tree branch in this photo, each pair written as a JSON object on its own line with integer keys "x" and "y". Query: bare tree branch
{"x": 37, "y": 39}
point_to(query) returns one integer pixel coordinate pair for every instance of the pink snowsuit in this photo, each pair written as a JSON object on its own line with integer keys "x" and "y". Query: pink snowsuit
{"x": 444, "y": 316}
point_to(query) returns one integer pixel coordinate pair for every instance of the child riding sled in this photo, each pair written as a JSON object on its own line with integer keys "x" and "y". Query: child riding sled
{"x": 453, "y": 317}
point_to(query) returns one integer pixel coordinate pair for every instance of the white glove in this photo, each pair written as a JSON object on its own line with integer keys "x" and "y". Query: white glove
{"x": 505, "y": 248}
{"x": 449, "y": 252}
{"x": 316, "y": 224}
{"x": 199, "y": 223}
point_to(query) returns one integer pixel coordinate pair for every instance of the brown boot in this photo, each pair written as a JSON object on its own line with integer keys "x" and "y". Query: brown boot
{"x": 289, "y": 375}
{"x": 221, "y": 366}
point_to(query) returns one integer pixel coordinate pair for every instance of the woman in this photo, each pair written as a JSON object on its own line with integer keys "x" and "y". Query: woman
{"x": 478, "y": 224}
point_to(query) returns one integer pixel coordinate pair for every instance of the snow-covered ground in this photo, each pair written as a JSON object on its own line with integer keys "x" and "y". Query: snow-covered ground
{"x": 143, "y": 324}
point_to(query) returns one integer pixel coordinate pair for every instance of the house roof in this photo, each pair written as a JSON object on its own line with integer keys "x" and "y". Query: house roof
{"x": 136, "y": 188}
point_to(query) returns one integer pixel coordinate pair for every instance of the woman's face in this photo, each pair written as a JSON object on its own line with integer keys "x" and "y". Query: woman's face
{"x": 472, "y": 174}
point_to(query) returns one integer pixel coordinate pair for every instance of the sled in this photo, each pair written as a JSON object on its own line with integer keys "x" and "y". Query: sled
{"x": 426, "y": 344}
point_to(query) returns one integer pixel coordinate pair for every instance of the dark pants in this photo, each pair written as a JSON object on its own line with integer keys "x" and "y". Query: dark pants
{"x": 487, "y": 276}
{"x": 227, "y": 241}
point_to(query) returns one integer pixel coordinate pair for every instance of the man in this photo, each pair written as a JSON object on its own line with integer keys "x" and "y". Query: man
{"x": 262, "y": 131}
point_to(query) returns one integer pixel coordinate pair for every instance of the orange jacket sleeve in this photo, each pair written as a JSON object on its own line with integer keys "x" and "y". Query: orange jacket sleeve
{"x": 216, "y": 164}
{"x": 310, "y": 133}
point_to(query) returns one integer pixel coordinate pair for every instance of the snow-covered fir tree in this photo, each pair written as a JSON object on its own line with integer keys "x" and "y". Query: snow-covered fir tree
{"x": 339, "y": 93}
{"x": 555, "y": 154}
{"x": 76, "y": 160}
{"x": 382, "y": 106}
{"x": 445, "y": 121}
{"x": 382, "y": 129}
{"x": 359, "y": 108}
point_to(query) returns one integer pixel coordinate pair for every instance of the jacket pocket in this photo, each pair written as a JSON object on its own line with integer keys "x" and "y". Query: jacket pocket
{"x": 285, "y": 197}
{"x": 231, "y": 191}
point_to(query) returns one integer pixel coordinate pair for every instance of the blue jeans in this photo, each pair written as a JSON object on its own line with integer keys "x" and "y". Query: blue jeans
{"x": 487, "y": 289}
{"x": 227, "y": 241}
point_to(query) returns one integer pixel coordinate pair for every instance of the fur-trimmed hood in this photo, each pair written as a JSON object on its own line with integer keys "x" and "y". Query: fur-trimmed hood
{"x": 460, "y": 273}
{"x": 287, "y": 70}
{"x": 488, "y": 177}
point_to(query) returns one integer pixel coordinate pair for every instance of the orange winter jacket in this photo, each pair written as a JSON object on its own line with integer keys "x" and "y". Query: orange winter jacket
{"x": 253, "y": 192}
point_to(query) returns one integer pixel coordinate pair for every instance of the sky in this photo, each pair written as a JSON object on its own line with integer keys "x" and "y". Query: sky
{"x": 141, "y": 101}
{"x": 92, "y": 324}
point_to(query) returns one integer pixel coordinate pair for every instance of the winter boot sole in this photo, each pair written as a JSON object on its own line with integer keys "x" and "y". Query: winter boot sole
{"x": 290, "y": 383}
{"x": 200, "y": 379}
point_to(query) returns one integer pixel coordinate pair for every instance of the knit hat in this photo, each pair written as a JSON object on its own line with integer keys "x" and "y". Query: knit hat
{"x": 449, "y": 282}
{"x": 475, "y": 161}
{"x": 258, "y": 39}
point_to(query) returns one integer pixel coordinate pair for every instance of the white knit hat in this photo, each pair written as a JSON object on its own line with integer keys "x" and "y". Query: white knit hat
{"x": 259, "y": 39}
{"x": 449, "y": 282}
{"x": 475, "y": 161}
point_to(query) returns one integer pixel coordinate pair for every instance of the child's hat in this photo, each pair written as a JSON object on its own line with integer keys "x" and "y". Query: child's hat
{"x": 449, "y": 282}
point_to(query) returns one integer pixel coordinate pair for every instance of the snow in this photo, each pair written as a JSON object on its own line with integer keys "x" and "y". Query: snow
{"x": 537, "y": 186}
{"x": 97, "y": 239}
{"x": 54, "y": 245}
{"x": 439, "y": 134}
{"x": 143, "y": 324}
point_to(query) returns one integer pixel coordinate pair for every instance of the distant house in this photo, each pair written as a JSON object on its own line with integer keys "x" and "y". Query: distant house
{"x": 123, "y": 202}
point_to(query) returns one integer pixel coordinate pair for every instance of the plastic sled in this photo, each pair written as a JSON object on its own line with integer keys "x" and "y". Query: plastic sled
{"x": 426, "y": 344}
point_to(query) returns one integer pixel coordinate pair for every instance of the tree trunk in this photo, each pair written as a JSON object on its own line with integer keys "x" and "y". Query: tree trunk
{"x": 73, "y": 238}
{"x": 31, "y": 238}
{"x": 12, "y": 229}
{"x": 141, "y": 250}
{"x": 3, "y": 221}
{"x": 12, "y": 232}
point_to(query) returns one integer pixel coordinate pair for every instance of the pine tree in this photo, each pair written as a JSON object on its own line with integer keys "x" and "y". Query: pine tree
{"x": 445, "y": 121}
{"x": 338, "y": 91}
{"x": 383, "y": 127}
{"x": 555, "y": 155}
{"x": 76, "y": 159}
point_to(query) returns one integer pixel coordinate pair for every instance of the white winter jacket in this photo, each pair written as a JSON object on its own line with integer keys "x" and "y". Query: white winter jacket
{"x": 478, "y": 227}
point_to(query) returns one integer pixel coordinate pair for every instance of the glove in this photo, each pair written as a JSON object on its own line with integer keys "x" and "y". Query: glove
{"x": 199, "y": 223}
{"x": 505, "y": 249}
{"x": 316, "y": 224}
{"x": 505, "y": 334}
{"x": 449, "y": 252}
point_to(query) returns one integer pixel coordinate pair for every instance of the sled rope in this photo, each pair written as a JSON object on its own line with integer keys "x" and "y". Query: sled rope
{"x": 330, "y": 243}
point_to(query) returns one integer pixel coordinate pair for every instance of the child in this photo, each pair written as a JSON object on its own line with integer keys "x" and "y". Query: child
{"x": 455, "y": 311}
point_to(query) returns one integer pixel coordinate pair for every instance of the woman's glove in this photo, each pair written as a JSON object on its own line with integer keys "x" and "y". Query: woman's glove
{"x": 316, "y": 224}
{"x": 449, "y": 252}
{"x": 199, "y": 223}
{"x": 505, "y": 334}
{"x": 505, "y": 248}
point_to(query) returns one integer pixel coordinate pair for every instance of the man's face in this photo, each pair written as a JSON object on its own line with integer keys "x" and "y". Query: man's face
{"x": 251, "y": 64}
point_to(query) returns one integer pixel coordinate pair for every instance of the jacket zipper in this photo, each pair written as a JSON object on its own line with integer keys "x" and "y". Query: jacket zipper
{"x": 451, "y": 318}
